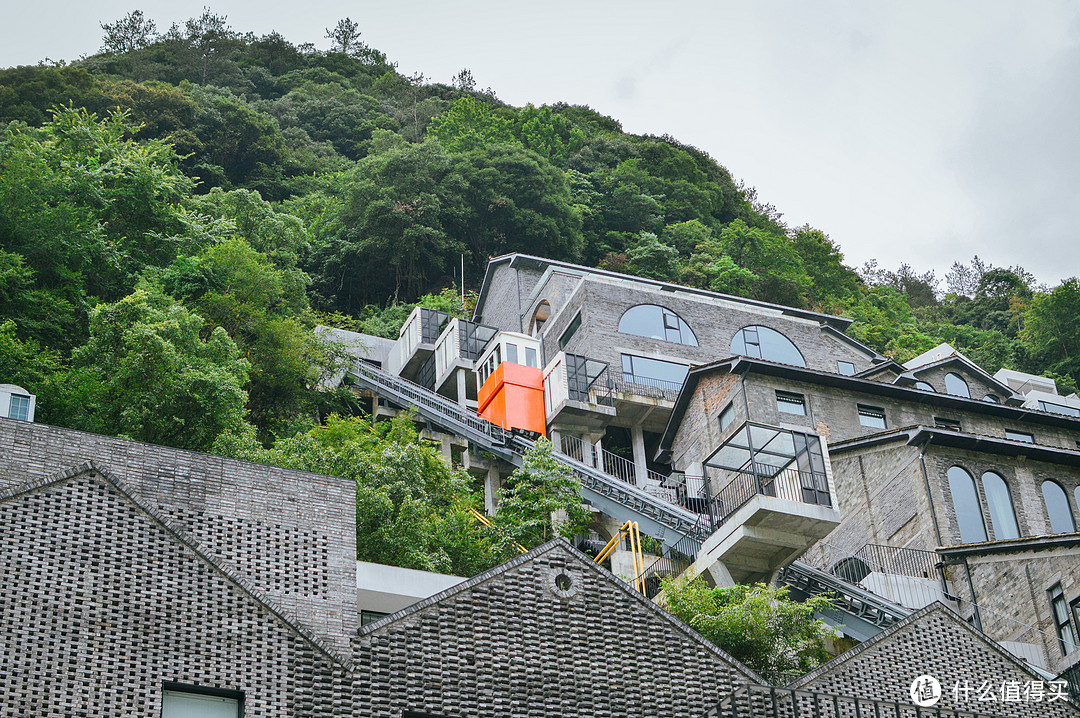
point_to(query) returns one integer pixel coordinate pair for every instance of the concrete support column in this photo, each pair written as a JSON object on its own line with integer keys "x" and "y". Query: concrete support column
{"x": 491, "y": 490}
{"x": 462, "y": 393}
{"x": 598, "y": 461}
{"x": 637, "y": 441}
{"x": 555, "y": 436}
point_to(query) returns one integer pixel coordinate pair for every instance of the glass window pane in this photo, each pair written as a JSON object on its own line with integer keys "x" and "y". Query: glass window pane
{"x": 966, "y": 504}
{"x": 791, "y": 403}
{"x": 765, "y": 343}
{"x": 872, "y": 416}
{"x": 845, "y": 367}
{"x": 571, "y": 329}
{"x": 727, "y": 416}
{"x": 653, "y": 372}
{"x": 656, "y": 322}
{"x": 530, "y": 357}
{"x": 19, "y": 407}
{"x": 991, "y": 399}
{"x": 511, "y": 353}
{"x": 1002, "y": 516}
{"x": 924, "y": 386}
{"x": 1057, "y": 508}
{"x": 1019, "y": 436}
{"x": 178, "y": 704}
{"x": 955, "y": 385}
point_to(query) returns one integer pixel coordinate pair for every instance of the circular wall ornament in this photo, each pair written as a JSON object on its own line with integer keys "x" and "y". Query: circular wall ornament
{"x": 563, "y": 582}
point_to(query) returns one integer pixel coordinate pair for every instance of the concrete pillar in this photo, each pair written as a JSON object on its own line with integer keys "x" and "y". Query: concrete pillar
{"x": 462, "y": 393}
{"x": 598, "y": 462}
{"x": 555, "y": 436}
{"x": 637, "y": 441}
{"x": 491, "y": 490}
{"x": 721, "y": 577}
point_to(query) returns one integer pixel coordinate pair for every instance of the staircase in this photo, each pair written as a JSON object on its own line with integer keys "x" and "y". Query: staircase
{"x": 616, "y": 498}
{"x": 862, "y": 614}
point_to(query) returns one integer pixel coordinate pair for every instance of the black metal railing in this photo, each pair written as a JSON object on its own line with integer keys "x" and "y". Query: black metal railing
{"x": 788, "y": 483}
{"x": 675, "y": 560}
{"x": 756, "y": 701}
{"x": 651, "y": 388}
{"x": 1071, "y": 677}
{"x": 588, "y": 380}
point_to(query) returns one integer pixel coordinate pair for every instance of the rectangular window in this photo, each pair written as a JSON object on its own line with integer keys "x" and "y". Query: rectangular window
{"x": 1019, "y": 436}
{"x": 571, "y": 330}
{"x": 1059, "y": 408}
{"x": 791, "y": 403}
{"x": 197, "y": 702}
{"x": 367, "y": 617}
{"x": 727, "y": 416}
{"x": 511, "y": 353}
{"x": 950, "y": 424}
{"x": 1062, "y": 624}
{"x": 530, "y": 358}
{"x": 653, "y": 372}
{"x": 19, "y": 408}
{"x": 872, "y": 416}
{"x": 846, "y": 368}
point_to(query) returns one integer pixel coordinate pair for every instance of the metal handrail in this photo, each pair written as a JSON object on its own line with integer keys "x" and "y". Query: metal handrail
{"x": 788, "y": 483}
{"x": 513, "y": 446}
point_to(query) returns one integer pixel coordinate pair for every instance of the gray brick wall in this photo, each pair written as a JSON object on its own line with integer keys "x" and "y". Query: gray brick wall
{"x": 934, "y": 642}
{"x": 1029, "y": 575}
{"x": 714, "y": 323}
{"x": 506, "y": 296}
{"x": 977, "y": 386}
{"x": 513, "y": 645}
{"x": 291, "y": 532}
{"x": 101, "y": 605}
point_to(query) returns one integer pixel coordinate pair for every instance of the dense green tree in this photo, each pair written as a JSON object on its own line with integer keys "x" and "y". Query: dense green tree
{"x": 131, "y": 32}
{"x": 470, "y": 124}
{"x": 345, "y": 36}
{"x": 649, "y": 257}
{"x": 756, "y": 624}
{"x": 412, "y": 508}
{"x": 540, "y": 500}
{"x": 1052, "y": 329}
{"x": 146, "y": 372}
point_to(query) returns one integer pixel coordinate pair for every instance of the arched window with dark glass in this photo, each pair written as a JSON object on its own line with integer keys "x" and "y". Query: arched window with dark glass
{"x": 765, "y": 343}
{"x": 966, "y": 504}
{"x": 955, "y": 385}
{"x": 999, "y": 500}
{"x": 656, "y": 322}
{"x": 1057, "y": 508}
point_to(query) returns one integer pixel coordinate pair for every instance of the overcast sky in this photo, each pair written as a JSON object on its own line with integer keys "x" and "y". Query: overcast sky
{"x": 923, "y": 132}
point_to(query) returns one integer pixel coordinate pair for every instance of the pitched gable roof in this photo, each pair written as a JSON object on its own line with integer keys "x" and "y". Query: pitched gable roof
{"x": 935, "y": 641}
{"x": 101, "y": 475}
{"x": 517, "y": 636}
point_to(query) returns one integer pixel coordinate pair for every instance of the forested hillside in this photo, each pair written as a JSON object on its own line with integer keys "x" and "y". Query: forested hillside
{"x": 179, "y": 210}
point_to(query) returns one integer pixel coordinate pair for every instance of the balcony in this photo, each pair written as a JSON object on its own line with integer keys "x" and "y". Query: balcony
{"x": 458, "y": 347}
{"x": 774, "y": 500}
{"x": 578, "y": 392}
{"x": 416, "y": 341}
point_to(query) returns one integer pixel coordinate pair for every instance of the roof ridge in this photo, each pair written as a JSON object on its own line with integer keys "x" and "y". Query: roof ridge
{"x": 583, "y": 559}
{"x": 229, "y": 572}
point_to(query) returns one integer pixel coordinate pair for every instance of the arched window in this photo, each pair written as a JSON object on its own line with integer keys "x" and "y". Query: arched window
{"x": 656, "y": 322}
{"x": 1002, "y": 515}
{"x": 765, "y": 343}
{"x": 1057, "y": 508}
{"x": 966, "y": 503}
{"x": 924, "y": 386}
{"x": 955, "y": 385}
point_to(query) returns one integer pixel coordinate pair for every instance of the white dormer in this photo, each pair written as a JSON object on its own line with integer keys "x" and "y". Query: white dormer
{"x": 1040, "y": 392}
{"x": 941, "y": 351}
{"x": 16, "y": 402}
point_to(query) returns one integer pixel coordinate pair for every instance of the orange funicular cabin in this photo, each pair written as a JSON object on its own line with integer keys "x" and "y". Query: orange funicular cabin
{"x": 511, "y": 392}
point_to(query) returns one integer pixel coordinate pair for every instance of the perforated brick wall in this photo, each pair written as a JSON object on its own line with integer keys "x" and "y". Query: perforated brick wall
{"x": 932, "y": 643}
{"x": 101, "y": 604}
{"x": 517, "y": 645}
{"x": 292, "y": 533}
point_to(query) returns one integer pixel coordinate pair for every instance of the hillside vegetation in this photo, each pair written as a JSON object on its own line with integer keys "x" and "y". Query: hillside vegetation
{"x": 178, "y": 211}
